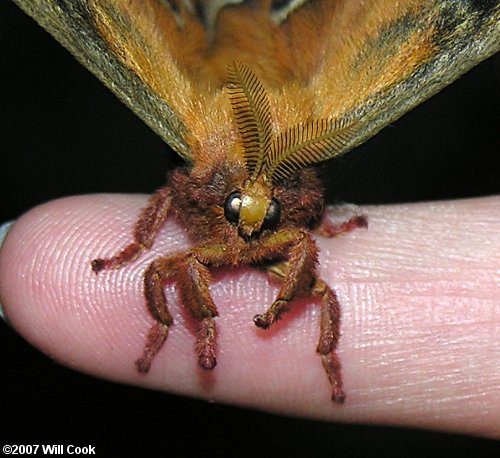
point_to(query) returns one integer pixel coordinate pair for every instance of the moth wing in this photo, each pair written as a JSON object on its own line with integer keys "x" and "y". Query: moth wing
{"x": 388, "y": 57}
{"x": 365, "y": 61}
{"x": 82, "y": 26}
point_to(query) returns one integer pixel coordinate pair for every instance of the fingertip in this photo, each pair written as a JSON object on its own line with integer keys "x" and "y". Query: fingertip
{"x": 50, "y": 293}
{"x": 4, "y": 230}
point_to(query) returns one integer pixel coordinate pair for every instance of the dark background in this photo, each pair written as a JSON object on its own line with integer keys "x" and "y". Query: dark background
{"x": 63, "y": 133}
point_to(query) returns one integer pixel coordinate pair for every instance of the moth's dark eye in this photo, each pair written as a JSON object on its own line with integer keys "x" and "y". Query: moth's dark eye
{"x": 273, "y": 214}
{"x": 232, "y": 207}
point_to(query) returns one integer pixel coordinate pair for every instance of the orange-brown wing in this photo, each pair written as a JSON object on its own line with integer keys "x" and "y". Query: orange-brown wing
{"x": 390, "y": 56}
{"x": 368, "y": 61}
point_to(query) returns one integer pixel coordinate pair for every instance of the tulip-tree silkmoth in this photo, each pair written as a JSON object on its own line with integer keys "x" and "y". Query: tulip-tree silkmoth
{"x": 252, "y": 95}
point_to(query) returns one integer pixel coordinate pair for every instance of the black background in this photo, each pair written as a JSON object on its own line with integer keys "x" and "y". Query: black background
{"x": 63, "y": 133}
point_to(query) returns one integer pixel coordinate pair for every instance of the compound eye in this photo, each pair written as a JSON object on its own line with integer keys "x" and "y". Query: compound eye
{"x": 273, "y": 214}
{"x": 232, "y": 207}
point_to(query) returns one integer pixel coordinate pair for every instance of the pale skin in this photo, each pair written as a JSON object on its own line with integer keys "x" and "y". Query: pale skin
{"x": 420, "y": 294}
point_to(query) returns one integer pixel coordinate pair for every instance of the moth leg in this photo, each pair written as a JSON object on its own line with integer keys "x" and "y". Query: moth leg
{"x": 342, "y": 219}
{"x": 299, "y": 277}
{"x": 154, "y": 279}
{"x": 329, "y": 336}
{"x": 193, "y": 280}
{"x": 329, "y": 326}
{"x": 147, "y": 226}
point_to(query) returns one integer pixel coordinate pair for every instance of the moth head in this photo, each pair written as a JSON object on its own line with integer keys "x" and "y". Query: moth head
{"x": 253, "y": 208}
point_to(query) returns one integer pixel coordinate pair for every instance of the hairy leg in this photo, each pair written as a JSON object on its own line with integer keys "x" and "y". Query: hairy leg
{"x": 329, "y": 336}
{"x": 297, "y": 275}
{"x": 147, "y": 226}
{"x": 154, "y": 279}
{"x": 193, "y": 280}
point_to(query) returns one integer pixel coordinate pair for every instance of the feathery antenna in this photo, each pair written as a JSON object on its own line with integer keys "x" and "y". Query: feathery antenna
{"x": 300, "y": 146}
{"x": 253, "y": 116}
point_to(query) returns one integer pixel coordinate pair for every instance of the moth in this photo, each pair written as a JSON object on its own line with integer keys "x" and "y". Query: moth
{"x": 254, "y": 95}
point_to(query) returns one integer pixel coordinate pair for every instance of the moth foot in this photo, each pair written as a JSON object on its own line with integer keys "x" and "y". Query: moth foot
{"x": 333, "y": 370}
{"x": 143, "y": 365}
{"x": 98, "y": 265}
{"x": 207, "y": 362}
{"x": 338, "y": 396}
{"x": 261, "y": 321}
{"x": 273, "y": 314}
{"x": 155, "y": 340}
